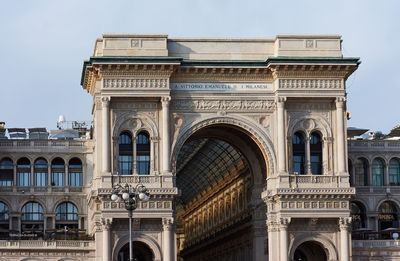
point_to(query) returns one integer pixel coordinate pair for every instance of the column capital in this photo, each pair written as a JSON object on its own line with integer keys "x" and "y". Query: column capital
{"x": 340, "y": 101}
{"x": 168, "y": 223}
{"x": 106, "y": 223}
{"x": 345, "y": 223}
{"x": 280, "y": 100}
{"x": 284, "y": 222}
{"x": 272, "y": 225}
{"x": 105, "y": 101}
{"x": 165, "y": 100}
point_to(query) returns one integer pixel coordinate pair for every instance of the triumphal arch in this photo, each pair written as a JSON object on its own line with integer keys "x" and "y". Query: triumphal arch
{"x": 241, "y": 143}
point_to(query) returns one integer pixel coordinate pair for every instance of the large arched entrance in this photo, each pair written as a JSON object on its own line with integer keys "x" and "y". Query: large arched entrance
{"x": 220, "y": 171}
{"x": 310, "y": 251}
{"x": 141, "y": 252}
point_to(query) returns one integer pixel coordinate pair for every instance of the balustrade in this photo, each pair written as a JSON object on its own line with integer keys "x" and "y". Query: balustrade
{"x": 311, "y": 181}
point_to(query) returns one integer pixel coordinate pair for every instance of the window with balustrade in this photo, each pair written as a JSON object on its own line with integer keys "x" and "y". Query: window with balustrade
{"x": 4, "y": 220}
{"x": 66, "y": 216}
{"x": 6, "y": 172}
{"x": 32, "y": 217}
{"x": 75, "y": 174}
{"x": 143, "y": 153}
{"x": 378, "y": 172}
{"x": 125, "y": 157}
{"x": 394, "y": 172}
{"x": 41, "y": 174}
{"x": 316, "y": 153}
{"x": 361, "y": 167}
{"x": 23, "y": 172}
{"x": 388, "y": 216}
{"x": 299, "y": 153}
{"x": 58, "y": 172}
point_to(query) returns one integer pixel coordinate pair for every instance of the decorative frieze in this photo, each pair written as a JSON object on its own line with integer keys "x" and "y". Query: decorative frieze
{"x": 226, "y": 105}
{"x": 135, "y": 84}
{"x": 310, "y": 84}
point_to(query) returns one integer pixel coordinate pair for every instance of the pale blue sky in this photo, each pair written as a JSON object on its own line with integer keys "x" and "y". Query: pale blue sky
{"x": 44, "y": 43}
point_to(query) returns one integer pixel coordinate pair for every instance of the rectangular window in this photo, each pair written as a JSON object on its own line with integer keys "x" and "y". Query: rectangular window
{"x": 7, "y": 179}
{"x": 58, "y": 179}
{"x": 143, "y": 163}
{"x": 23, "y": 179}
{"x": 125, "y": 164}
{"x": 40, "y": 179}
{"x": 75, "y": 179}
{"x": 298, "y": 164}
{"x": 316, "y": 165}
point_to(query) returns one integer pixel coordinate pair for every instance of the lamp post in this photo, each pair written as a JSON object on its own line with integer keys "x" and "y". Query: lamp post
{"x": 130, "y": 196}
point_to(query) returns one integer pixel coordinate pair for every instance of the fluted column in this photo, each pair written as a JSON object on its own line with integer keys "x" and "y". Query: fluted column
{"x": 283, "y": 237}
{"x": 280, "y": 105}
{"x": 134, "y": 157}
{"x": 165, "y": 132}
{"x": 106, "y": 240}
{"x": 340, "y": 102}
{"x": 168, "y": 239}
{"x": 344, "y": 225}
{"x": 105, "y": 131}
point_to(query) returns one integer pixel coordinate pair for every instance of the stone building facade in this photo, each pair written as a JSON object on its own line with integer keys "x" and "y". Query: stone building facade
{"x": 241, "y": 143}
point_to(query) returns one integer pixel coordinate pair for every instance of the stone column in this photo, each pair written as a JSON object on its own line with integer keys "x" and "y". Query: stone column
{"x": 273, "y": 235}
{"x": 308, "y": 155}
{"x": 386, "y": 179}
{"x": 283, "y": 237}
{"x": 134, "y": 161}
{"x": 341, "y": 152}
{"x": 280, "y": 105}
{"x": 15, "y": 174}
{"x": 166, "y": 166}
{"x": 168, "y": 239}
{"x": 106, "y": 240}
{"x": 344, "y": 226}
{"x": 105, "y": 133}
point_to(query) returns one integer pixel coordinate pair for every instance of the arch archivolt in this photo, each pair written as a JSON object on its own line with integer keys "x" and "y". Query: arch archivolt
{"x": 149, "y": 241}
{"x": 324, "y": 241}
{"x": 259, "y": 136}
{"x": 393, "y": 200}
{"x": 309, "y": 124}
{"x": 134, "y": 122}
{"x": 69, "y": 199}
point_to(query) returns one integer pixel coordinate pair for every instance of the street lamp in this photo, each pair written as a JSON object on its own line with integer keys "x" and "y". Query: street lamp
{"x": 130, "y": 196}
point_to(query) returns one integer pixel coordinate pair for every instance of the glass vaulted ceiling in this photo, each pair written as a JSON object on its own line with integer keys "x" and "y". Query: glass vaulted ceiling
{"x": 202, "y": 162}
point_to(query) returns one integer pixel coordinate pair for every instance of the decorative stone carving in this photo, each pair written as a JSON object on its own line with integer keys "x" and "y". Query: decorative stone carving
{"x": 135, "y": 83}
{"x": 310, "y": 84}
{"x": 345, "y": 223}
{"x": 168, "y": 223}
{"x": 223, "y": 104}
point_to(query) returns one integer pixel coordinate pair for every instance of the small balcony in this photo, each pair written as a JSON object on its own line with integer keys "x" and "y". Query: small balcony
{"x": 365, "y": 244}
{"x": 314, "y": 181}
{"x": 48, "y": 244}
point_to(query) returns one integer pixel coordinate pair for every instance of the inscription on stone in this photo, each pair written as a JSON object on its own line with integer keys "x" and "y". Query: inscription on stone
{"x": 221, "y": 86}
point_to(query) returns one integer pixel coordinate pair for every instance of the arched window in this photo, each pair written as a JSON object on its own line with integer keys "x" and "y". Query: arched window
{"x": 316, "y": 153}
{"x": 67, "y": 216}
{"x": 23, "y": 172}
{"x": 377, "y": 172}
{"x": 394, "y": 172}
{"x": 358, "y": 215}
{"x": 125, "y": 153}
{"x": 298, "y": 153}
{"x": 6, "y": 172}
{"x": 143, "y": 153}
{"x": 361, "y": 172}
{"x": 41, "y": 172}
{"x": 4, "y": 225}
{"x": 32, "y": 216}
{"x": 75, "y": 173}
{"x": 58, "y": 172}
{"x": 388, "y": 217}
